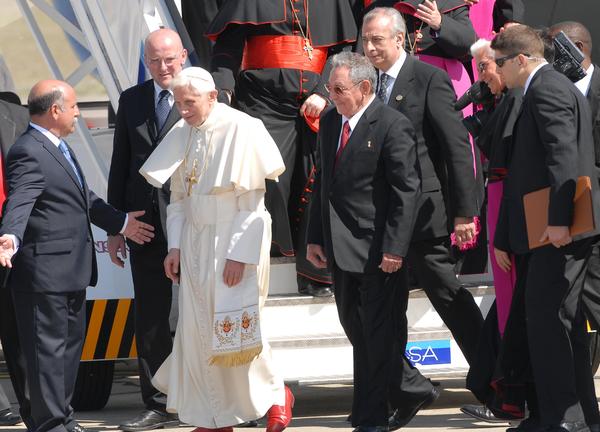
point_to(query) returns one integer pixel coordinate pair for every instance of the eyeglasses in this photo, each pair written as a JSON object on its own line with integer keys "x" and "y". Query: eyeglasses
{"x": 168, "y": 61}
{"x": 501, "y": 60}
{"x": 481, "y": 66}
{"x": 376, "y": 40}
{"x": 338, "y": 89}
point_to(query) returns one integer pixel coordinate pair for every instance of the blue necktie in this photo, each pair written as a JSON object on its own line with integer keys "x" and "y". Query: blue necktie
{"x": 65, "y": 151}
{"x": 162, "y": 109}
{"x": 383, "y": 86}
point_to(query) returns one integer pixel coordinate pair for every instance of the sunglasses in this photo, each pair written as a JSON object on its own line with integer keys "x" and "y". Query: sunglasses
{"x": 338, "y": 89}
{"x": 501, "y": 60}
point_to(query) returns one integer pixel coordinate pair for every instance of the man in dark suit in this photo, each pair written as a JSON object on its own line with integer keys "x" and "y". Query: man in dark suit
{"x": 552, "y": 147}
{"x": 47, "y": 241}
{"x": 14, "y": 120}
{"x": 424, "y": 94}
{"x": 590, "y": 88}
{"x": 145, "y": 115}
{"x": 366, "y": 190}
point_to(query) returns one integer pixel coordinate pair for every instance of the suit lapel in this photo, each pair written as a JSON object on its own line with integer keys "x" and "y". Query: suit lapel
{"x": 172, "y": 118}
{"x": 593, "y": 95}
{"x": 358, "y": 136}
{"x": 150, "y": 113}
{"x": 330, "y": 145}
{"x": 57, "y": 154}
{"x": 403, "y": 84}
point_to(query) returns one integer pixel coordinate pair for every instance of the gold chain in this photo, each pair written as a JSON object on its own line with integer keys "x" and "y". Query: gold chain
{"x": 412, "y": 45}
{"x": 192, "y": 177}
{"x": 307, "y": 45}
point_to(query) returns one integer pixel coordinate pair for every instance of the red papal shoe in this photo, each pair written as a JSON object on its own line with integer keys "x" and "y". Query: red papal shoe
{"x": 279, "y": 417}
{"x": 223, "y": 429}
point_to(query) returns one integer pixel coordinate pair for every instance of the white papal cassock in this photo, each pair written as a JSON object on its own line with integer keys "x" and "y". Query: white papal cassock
{"x": 221, "y": 217}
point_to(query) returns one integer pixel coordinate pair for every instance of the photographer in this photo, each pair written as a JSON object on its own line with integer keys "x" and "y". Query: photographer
{"x": 492, "y": 129}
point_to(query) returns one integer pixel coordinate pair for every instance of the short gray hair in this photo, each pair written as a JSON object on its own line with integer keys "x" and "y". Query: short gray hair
{"x": 359, "y": 66}
{"x": 482, "y": 48}
{"x": 398, "y": 24}
{"x": 195, "y": 78}
{"x": 39, "y": 104}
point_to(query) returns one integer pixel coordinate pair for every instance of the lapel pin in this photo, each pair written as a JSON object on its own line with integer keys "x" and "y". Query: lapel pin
{"x": 369, "y": 144}
{"x": 399, "y": 98}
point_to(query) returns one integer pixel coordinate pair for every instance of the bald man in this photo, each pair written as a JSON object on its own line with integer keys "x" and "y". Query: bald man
{"x": 48, "y": 242}
{"x": 144, "y": 117}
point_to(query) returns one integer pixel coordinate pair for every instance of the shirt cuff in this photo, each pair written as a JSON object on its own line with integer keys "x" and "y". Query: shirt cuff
{"x": 15, "y": 241}
{"x": 124, "y": 224}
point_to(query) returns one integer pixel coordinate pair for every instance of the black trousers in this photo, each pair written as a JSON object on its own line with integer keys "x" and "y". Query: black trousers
{"x": 13, "y": 355}
{"x": 364, "y": 303}
{"x": 153, "y": 295}
{"x": 434, "y": 267}
{"x": 556, "y": 335}
{"x": 51, "y": 330}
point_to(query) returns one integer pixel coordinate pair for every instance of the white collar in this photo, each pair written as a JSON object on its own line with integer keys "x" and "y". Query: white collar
{"x": 394, "y": 70}
{"x": 353, "y": 121}
{"x": 53, "y": 138}
{"x": 584, "y": 83}
{"x": 157, "y": 90}
{"x": 532, "y": 74}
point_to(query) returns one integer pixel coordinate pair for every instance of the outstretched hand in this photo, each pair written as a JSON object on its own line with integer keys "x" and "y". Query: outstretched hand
{"x": 7, "y": 250}
{"x": 136, "y": 230}
{"x": 116, "y": 245}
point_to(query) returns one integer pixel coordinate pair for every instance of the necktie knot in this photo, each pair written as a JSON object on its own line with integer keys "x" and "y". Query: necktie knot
{"x": 384, "y": 81}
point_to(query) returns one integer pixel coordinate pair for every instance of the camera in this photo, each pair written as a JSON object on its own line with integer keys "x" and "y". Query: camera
{"x": 478, "y": 94}
{"x": 567, "y": 58}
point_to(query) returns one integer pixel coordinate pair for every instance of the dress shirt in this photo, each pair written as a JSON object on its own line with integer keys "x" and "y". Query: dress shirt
{"x": 584, "y": 83}
{"x": 393, "y": 74}
{"x": 531, "y": 75}
{"x": 353, "y": 121}
{"x": 157, "y": 90}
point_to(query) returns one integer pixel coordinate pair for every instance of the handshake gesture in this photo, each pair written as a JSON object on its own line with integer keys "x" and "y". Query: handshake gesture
{"x": 136, "y": 230}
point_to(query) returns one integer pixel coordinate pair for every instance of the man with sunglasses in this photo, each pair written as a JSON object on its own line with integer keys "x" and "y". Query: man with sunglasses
{"x": 424, "y": 94}
{"x": 361, "y": 221}
{"x": 552, "y": 147}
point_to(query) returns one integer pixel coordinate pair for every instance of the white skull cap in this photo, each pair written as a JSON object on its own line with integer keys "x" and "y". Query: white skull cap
{"x": 199, "y": 78}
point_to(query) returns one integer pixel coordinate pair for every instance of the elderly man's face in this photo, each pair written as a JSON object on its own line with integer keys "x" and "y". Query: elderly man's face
{"x": 164, "y": 56}
{"x": 348, "y": 97}
{"x": 194, "y": 106}
{"x": 380, "y": 45}
{"x": 489, "y": 75}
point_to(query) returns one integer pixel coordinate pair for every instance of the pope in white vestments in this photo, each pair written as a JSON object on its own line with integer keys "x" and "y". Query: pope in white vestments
{"x": 220, "y": 372}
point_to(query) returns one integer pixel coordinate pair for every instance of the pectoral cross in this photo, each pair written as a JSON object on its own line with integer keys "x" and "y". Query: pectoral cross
{"x": 191, "y": 179}
{"x": 308, "y": 48}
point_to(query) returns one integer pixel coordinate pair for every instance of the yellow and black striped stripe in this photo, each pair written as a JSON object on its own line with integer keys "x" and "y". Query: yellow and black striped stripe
{"x": 109, "y": 330}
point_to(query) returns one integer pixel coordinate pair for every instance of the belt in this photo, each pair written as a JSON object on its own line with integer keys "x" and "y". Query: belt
{"x": 282, "y": 52}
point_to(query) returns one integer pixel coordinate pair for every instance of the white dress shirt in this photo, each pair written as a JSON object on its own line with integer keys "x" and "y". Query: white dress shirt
{"x": 393, "y": 72}
{"x": 584, "y": 83}
{"x": 353, "y": 121}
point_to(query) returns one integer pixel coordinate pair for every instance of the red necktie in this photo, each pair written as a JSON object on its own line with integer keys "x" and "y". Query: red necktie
{"x": 368, "y": 2}
{"x": 343, "y": 141}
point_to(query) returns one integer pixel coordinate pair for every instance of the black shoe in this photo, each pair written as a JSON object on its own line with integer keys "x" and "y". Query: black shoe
{"x": 530, "y": 424}
{"x": 314, "y": 288}
{"x": 371, "y": 429}
{"x": 78, "y": 428}
{"x": 579, "y": 426}
{"x": 483, "y": 413}
{"x": 248, "y": 424}
{"x": 402, "y": 416}
{"x": 150, "y": 419}
{"x": 9, "y": 418}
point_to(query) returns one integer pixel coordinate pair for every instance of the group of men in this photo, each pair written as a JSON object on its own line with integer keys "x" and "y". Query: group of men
{"x": 391, "y": 183}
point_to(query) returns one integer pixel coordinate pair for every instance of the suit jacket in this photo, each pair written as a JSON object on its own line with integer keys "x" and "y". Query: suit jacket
{"x": 365, "y": 206}
{"x": 50, "y": 214}
{"x": 136, "y": 135}
{"x": 13, "y": 122}
{"x": 424, "y": 94}
{"x": 508, "y": 11}
{"x": 552, "y": 146}
{"x": 593, "y": 98}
